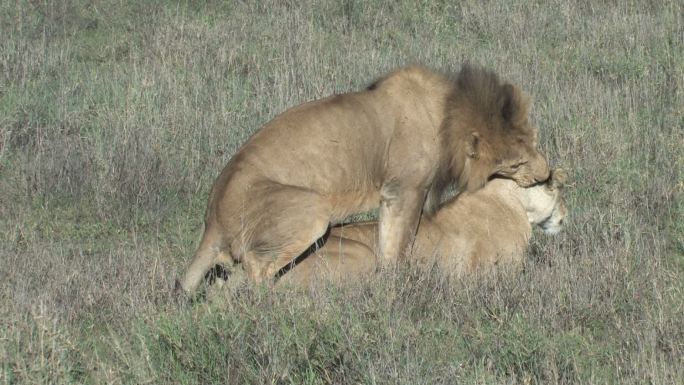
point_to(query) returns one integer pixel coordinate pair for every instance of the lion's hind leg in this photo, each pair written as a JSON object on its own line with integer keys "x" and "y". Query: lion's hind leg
{"x": 291, "y": 220}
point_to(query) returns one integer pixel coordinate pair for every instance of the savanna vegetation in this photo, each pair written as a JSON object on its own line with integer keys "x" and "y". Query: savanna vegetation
{"x": 116, "y": 116}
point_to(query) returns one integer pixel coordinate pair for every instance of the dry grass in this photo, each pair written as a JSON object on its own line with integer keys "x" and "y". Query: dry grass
{"x": 115, "y": 118}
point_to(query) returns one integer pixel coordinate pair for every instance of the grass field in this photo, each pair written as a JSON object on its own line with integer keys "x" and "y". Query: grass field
{"x": 116, "y": 116}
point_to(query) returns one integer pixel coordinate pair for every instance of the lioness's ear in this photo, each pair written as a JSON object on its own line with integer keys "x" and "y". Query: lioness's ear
{"x": 558, "y": 178}
{"x": 472, "y": 144}
{"x": 514, "y": 104}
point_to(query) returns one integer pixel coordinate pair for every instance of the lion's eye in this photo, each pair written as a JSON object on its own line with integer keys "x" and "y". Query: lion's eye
{"x": 517, "y": 165}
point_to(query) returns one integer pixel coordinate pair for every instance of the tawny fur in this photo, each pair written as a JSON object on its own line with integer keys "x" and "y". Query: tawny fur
{"x": 480, "y": 231}
{"x": 396, "y": 145}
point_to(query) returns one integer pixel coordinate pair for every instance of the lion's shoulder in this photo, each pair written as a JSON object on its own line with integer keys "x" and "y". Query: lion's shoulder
{"x": 413, "y": 77}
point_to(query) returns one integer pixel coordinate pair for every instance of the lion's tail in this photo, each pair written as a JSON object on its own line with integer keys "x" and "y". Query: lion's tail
{"x": 207, "y": 255}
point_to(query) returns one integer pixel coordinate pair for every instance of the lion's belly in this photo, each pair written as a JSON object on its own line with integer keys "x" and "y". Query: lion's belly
{"x": 355, "y": 202}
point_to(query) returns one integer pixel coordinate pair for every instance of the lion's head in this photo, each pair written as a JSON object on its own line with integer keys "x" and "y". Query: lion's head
{"x": 545, "y": 205}
{"x": 487, "y": 124}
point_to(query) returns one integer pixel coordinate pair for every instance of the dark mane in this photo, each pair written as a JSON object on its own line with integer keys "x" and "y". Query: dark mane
{"x": 482, "y": 109}
{"x": 483, "y": 92}
{"x": 373, "y": 85}
{"x": 480, "y": 88}
{"x": 376, "y": 83}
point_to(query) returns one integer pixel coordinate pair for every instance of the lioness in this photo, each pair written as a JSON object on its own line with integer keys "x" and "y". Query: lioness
{"x": 476, "y": 230}
{"x": 397, "y": 144}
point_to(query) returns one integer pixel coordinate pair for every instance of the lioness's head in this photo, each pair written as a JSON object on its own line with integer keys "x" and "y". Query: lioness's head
{"x": 544, "y": 203}
{"x": 494, "y": 134}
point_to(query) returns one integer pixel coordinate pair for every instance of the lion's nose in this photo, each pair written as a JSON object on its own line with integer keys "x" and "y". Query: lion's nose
{"x": 543, "y": 176}
{"x": 541, "y": 172}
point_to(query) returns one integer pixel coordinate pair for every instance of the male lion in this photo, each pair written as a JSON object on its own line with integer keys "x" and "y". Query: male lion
{"x": 397, "y": 144}
{"x": 477, "y": 230}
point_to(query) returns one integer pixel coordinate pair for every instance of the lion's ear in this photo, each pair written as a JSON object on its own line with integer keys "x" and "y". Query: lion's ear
{"x": 514, "y": 104}
{"x": 472, "y": 145}
{"x": 558, "y": 178}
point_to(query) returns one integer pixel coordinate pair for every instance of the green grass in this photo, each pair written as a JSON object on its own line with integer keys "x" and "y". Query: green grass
{"x": 115, "y": 118}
